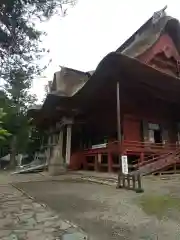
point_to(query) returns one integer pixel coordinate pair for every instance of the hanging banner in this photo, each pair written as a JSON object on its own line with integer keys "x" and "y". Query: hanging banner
{"x": 124, "y": 162}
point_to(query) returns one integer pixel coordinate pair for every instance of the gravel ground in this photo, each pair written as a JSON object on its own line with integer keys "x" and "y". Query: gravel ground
{"x": 103, "y": 211}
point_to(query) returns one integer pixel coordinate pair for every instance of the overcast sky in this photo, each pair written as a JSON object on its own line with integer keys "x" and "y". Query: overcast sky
{"x": 92, "y": 29}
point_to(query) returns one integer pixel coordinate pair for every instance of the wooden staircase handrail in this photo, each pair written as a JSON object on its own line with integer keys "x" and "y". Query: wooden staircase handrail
{"x": 159, "y": 157}
{"x": 153, "y": 159}
{"x": 163, "y": 161}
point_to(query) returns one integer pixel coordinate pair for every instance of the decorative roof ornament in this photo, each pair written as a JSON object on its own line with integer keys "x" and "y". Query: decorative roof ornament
{"x": 158, "y": 15}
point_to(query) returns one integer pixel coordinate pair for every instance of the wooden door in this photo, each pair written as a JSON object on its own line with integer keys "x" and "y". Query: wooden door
{"x": 132, "y": 129}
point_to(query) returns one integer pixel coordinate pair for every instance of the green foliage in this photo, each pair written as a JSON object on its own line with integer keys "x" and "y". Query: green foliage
{"x": 18, "y": 33}
{"x": 35, "y": 140}
{"x": 20, "y": 53}
{"x": 3, "y": 132}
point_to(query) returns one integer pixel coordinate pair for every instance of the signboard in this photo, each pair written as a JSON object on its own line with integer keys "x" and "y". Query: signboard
{"x": 153, "y": 126}
{"x": 103, "y": 145}
{"x": 124, "y": 162}
{"x": 99, "y": 158}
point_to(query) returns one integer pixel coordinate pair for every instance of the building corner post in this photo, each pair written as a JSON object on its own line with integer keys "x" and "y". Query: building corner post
{"x": 68, "y": 143}
{"x": 119, "y": 137}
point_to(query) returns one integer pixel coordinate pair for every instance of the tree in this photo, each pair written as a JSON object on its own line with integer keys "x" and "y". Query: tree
{"x": 17, "y": 22}
{"x": 3, "y": 132}
{"x": 19, "y": 55}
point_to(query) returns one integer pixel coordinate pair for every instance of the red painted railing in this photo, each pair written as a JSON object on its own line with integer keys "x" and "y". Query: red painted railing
{"x": 158, "y": 163}
{"x": 151, "y": 151}
{"x": 118, "y": 147}
{"x": 135, "y": 145}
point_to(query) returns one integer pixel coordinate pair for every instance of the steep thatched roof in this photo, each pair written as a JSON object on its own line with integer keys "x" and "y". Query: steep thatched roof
{"x": 148, "y": 34}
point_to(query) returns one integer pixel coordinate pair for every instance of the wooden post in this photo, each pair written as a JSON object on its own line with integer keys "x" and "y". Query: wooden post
{"x": 119, "y": 185}
{"x": 68, "y": 144}
{"x": 141, "y": 158}
{"x": 96, "y": 162}
{"x": 118, "y": 119}
{"x": 174, "y": 168}
{"x": 128, "y": 182}
{"x": 139, "y": 186}
{"x": 110, "y": 162}
{"x": 85, "y": 165}
{"x": 134, "y": 182}
{"x": 60, "y": 143}
{"x": 48, "y": 156}
{"x": 54, "y": 139}
{"x": 123, "y": 181}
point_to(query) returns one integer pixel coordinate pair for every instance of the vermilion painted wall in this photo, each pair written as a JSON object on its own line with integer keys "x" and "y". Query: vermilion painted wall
{"x": 132, "y": 126}
{"x": 77, "y": 161}
{"x": 166, "y": 44}
{"x": 163, "y": 56}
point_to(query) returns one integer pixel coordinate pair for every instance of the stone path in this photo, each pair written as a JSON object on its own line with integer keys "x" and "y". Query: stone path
{"x": 103, "y": 211}
{"x": 22, "y": 217}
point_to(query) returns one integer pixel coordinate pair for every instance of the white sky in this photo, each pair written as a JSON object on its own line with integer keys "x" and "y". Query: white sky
{"x": 92, "y": 29}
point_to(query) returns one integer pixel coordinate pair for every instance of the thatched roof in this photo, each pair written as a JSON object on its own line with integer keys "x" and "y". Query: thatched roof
{"x": 148, "y": 34}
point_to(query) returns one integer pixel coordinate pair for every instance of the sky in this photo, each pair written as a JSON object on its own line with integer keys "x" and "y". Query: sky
{"x": 92, "y": 29}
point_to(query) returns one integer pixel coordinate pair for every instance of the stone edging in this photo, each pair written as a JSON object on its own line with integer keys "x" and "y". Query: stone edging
{"x": 45, "y": 206}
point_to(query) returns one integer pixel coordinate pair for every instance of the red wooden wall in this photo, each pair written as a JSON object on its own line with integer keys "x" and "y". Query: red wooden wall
{"x": 166, "y": 49}
{"x": 132, "y": 126}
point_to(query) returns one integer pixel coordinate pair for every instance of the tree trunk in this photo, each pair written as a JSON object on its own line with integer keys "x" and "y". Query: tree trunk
{"x": 12, "y": 163}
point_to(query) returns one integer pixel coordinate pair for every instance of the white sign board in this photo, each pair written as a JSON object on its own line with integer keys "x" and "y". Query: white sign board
{"x": 99, "y": 158}
{"x": 103, "y": 145}
{"x": 124, "y": 162}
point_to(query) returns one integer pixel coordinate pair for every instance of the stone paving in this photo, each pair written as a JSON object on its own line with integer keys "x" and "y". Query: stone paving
{"x": 103, "y": 211}
{"x": 21, "y": 217}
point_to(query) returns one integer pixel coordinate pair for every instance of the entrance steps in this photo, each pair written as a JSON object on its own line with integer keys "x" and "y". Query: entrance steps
{"x": 158, "y": 163}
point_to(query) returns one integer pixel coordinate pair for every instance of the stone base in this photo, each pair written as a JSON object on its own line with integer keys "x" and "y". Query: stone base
{"x": 55, "y": 170}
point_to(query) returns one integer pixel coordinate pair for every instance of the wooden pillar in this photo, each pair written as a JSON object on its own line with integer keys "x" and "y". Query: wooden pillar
{"x": 119, "y": 138}
{"x": 96, "y": 167}
{"x": 142, "y": 157}
{"x": 48, "y": 151}
{"x": 85, "y": 165}
{"x": 175, "y": 168}
{"x": 54, "y": 139}
{"x": 68, "y": 144}
{"x": 110, "y": 163}
{"x": 60, "y": 142}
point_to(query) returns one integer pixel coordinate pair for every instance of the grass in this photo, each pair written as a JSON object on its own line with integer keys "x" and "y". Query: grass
{"x": 159, "y": 205}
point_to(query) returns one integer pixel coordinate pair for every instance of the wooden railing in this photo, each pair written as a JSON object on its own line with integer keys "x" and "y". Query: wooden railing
{"x": 159, "y": 163}
{"x": 151, "y": 153}
{"x": 151, "y": 158}
{"x": 135, "y": 145}
{"x": 118, "y": 147}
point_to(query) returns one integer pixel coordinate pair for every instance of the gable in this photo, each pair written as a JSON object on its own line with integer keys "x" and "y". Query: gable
{"x": 140, "y": 40}
{"x": 68, "y": 81}
{"x": 163, "y": 55}
{"x": 164, "y": 44}
{"x": 164, "y": 30}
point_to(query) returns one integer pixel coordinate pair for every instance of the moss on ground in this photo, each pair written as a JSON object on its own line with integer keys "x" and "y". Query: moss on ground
{"x": 159, "y": 205}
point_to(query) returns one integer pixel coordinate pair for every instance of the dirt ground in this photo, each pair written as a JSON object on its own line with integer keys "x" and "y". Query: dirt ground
{"x": 105, "y": 212}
